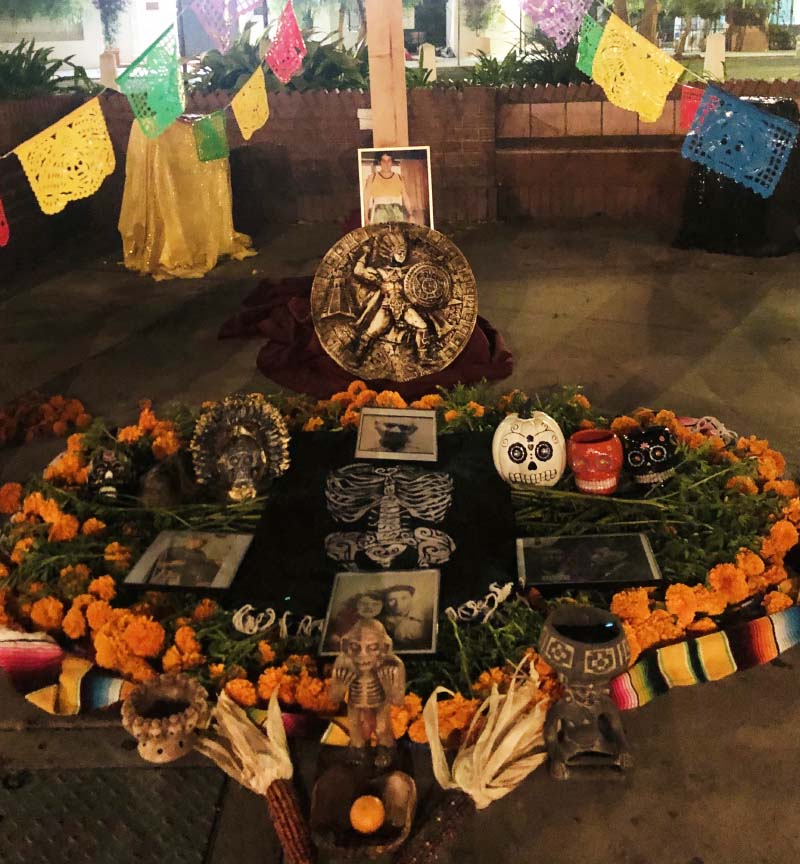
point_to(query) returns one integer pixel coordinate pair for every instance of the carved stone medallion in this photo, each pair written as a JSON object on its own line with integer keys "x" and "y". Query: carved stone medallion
{"x": 394, "y": 301}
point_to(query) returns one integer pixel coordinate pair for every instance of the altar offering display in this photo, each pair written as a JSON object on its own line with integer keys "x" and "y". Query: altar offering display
{"x": 587, "y": 560}
{"x": 529, "y": 449}
{"x": 191, "y": 559}
{"x": 394, "y": 301}
{"x": 587, "y": 647}
{"x": 397, "y": 434}
{"x": 405, "y": 602}
{"x": 240, "y": 446}
{"x": 396, "y": 186}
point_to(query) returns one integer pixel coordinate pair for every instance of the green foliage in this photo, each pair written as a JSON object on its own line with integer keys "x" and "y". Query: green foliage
{"x": 110, "y": 11}
{"x": 418, "y": 76}
{"x": 27, "y": 71}
{"x": 781, "y": 38}
{"x": 540, "y": 63}
{"x": 228, "y": 70}
{"x": 329, "y": 65}
{"x": 56, "y": 10}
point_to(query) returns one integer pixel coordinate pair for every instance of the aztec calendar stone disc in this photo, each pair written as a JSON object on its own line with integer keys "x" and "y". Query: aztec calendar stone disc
{"x": 394, "y": 301}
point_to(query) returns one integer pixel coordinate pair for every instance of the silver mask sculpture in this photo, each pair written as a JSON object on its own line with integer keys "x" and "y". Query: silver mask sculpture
{"x": 388, "y": 498}
{"x": 240, "y": 445}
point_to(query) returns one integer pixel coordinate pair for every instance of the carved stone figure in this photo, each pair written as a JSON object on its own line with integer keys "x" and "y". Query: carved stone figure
{"x": 394, "y": 301}
{"x": 587, "y": 648}
{"x": 240, "y": 446}
{"x": 389, "y": 497}
{"x": 374, "y": 679}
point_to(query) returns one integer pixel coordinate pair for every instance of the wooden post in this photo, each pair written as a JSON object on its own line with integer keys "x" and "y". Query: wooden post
{"x": 387, "y": 73}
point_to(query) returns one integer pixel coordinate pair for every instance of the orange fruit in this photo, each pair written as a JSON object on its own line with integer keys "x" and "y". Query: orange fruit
{"x": 367, "y": 814}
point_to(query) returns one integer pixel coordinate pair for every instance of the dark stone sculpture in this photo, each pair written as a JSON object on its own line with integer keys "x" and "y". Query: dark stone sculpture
{"x": 587, "y": 648}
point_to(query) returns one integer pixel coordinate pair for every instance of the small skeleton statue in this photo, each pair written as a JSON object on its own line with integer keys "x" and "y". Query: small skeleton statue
{"x": 587, "y": 647}
{"x": 375, "y": 679}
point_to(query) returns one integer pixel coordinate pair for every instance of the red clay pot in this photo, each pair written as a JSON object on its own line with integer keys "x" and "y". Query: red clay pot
{"x": 595, "y": 457}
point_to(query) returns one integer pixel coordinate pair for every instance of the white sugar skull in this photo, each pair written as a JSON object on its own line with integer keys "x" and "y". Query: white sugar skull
{"x": 529, "y": 450}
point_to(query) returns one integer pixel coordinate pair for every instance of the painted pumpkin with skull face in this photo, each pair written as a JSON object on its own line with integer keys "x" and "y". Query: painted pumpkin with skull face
{"x": 651, "y": 454}
{"x": 529, "y": 450}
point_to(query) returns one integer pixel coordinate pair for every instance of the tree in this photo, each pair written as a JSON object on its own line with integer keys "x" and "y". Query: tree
{"x": 110, "y": 12}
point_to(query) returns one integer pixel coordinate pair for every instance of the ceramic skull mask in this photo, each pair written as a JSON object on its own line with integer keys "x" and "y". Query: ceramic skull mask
{"x": 651, "y": 454}
{"x": 529, "y": 450}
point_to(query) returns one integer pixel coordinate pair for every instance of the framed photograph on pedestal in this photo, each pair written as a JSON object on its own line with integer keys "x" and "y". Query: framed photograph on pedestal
{"x": 396, "y": 185}
{"x": 397, "y": 434}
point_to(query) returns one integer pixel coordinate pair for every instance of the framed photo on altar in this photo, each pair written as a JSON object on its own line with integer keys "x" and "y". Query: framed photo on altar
{"x": 586, "y": 560}
{"x": 397, "y": 434}
{"x": 406, "y": 602}
{"x": 191, "y": 560}
{"x": 396, "y": 185}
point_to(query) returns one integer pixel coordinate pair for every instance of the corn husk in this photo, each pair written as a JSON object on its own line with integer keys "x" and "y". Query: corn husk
{"x": 504, "y": 743}
{"x": 242, "y": 750}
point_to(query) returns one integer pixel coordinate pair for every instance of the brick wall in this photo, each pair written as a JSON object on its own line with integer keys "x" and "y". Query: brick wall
{"x": 550, "y": 153}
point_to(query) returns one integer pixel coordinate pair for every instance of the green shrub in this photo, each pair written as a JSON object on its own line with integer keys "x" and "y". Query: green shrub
{"x": 781, "y": 38}
{"x": 27, "y": 71}
{"x": 539, "y": 63}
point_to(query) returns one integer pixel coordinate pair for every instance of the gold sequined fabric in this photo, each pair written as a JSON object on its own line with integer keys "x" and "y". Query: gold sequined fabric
{"x": 250, "y": 106}
{"x": 70, "y": 159}
{"x": 176, "y": 218}
{"x": 635, "y": 74}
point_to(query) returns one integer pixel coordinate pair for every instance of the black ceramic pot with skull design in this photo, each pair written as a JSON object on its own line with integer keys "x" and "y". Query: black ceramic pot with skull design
{"x": 651, "y": 455}
{"x": 110, "y": 472}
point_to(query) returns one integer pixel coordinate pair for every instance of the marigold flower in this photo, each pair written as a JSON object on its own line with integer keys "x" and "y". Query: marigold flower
{"x": 644, "y": 416}
{"x": 792, "y": 511}
{"x": 266, "y": 652}
{"x": 147, "y": 419}
{"x": 144, "y": 637}
{"x": 82, "y": 421}
{"x": 98, "y": 614}
{"x": 742, "y": 484}
{"x": 60, "y": 428}
{"x": 432, "y": 401}
{"x": 624, "y": 424}
{"x": 775, "y": 601}
{"x": 216, "y": 670}
{"x": 701, "y": 626}
{"x": 771, "y": 465}
{"x": 10, "y": 498}
{"x": 495, "y": 676}
{"x": 350, "y": 418}
{"x": 47, "y": 613}
{"x": 116, "y": 553}
{"x": 775, "y": 574}
{"x": 74, "y": 624}
{"x": 343, "y": 396}
{"x": 586, "y": 424}
{"x": 65, "y": 528}
{"x": 21, "y": 549}
{"x": 104, "y": 588}
{"x": 782, "y": 537}
{"x": 72, "y": 571}
{"x": 204, "y": 610}
{"x": 186, "y": 640}
{"x": 581, "y": 401}
{"x": 68, "y": 468}
{"x": 129, "y": 434}
{"x": 682, "y": 603}
{"x": 633, "y": 642}
{"x": 390, "y": 399}
{"x": 313, "y": 694}
{"x": 93, "y": 526}
{"x": 172, "y": 661}
{"x": 166, "y": 444}
{"x": 476, "y": 409}
{"x": 242, "y": 692}
{"x": 364, "y": 398}
{"x": 749, "y": 562}
{"x": 710, "y": 602}
{"x": 416, "y": 731}
{"x": 631, "y": 605}
{"x": 403, "y": 715}
{"x": 3, "y": 571}
{"x": 451, "y": 415}
{"x": 657, "y": 629}
{"x": 730, "y": 581}
{"x": 313, "y": 423}
{"x": 75, "y": 443}
{"x": 355, "y": 387}
{"x": 784, "y": 488}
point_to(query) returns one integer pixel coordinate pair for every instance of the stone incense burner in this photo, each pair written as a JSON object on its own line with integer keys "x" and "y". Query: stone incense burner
{"x": 583, "y": 731}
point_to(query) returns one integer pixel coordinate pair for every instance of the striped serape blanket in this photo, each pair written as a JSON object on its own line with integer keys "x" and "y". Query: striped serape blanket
{"x": 707, "y": 658}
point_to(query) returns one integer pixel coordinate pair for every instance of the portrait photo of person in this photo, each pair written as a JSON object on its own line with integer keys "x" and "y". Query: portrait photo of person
{"x": 396, "y": 186}
{"x": 191, "y": 560}
{"x": 405, "y": 602}
{"x": 397, "y": 433}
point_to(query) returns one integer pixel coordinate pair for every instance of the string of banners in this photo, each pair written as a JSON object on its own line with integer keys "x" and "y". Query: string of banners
{"x": 70, "y": 159}
{"x": 726, "y": 134}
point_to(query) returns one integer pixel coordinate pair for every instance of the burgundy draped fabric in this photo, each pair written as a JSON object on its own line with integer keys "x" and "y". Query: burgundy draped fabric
{"x": 294, "y": 358}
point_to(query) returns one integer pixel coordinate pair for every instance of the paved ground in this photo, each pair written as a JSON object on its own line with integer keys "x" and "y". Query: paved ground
{"x": 634, "y": 321}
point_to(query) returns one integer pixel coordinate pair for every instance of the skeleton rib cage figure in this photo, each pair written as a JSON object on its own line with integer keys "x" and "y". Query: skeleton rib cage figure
{"x": 387, "y": 497}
